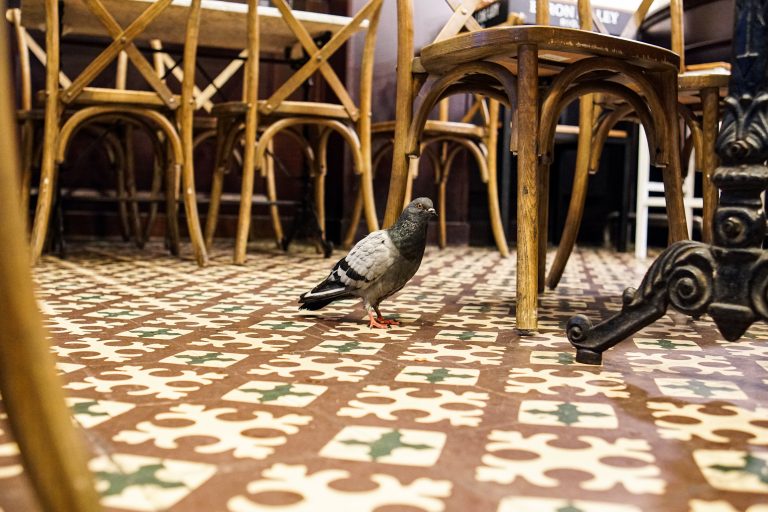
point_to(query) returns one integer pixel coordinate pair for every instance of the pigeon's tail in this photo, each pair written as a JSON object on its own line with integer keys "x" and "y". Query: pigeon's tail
{"x": 322, "y": 295}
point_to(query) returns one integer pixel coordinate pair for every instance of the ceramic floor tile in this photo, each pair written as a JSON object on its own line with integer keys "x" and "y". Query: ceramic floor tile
{"x": 207, "y": 389}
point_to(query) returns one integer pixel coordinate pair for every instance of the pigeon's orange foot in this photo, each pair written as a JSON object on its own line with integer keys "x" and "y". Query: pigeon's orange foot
{"x": 377, "y": 323}
{"x": 386, "y": 321}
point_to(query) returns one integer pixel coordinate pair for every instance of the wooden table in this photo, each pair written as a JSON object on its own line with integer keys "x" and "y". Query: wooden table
{"x": 222, "y": 23}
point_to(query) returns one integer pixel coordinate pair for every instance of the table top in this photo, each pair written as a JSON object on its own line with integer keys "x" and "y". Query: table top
{"x": 222, "y": 23}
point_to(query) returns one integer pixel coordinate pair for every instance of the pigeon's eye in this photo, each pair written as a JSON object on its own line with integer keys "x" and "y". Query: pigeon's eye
{"x": 418, "y": 205}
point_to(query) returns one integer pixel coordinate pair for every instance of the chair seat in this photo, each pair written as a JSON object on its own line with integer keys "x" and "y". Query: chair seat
{"x": 558, "y": 48}
{"x": 690, "y": 83}
{"x": 436, "y": 128}
{"x": 101, "y": 96}
{"x": 285, "y": 109}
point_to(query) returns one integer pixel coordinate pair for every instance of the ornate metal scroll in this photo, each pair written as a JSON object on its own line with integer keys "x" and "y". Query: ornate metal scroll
{"x": 727, "y": 280}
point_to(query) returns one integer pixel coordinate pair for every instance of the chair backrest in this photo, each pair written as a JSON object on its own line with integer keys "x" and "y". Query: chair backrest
{"x": 318, "y": 57}
{"x": 28, "y": 49}
{"x": 125, "y": 22}
{"x": 677, "y": 43}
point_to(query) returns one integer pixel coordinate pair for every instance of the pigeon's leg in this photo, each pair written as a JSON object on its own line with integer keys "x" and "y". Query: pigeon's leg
{"x": 380, "y": 318}
{"x": 374, "y": 323}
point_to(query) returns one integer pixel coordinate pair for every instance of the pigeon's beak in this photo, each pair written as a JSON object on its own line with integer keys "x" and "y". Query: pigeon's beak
{"x": 432, "y": 212}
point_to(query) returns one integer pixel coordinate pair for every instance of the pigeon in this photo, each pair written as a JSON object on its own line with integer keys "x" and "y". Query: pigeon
{"x": 378, "y": 266}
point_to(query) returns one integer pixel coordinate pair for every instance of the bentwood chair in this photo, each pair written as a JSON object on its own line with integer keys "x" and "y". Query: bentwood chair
{"x": 280, "y": 115}
{"x": 30, "y": 116}
{"x": 538, "y": 70}
{"x": 33, "y": 396}
{"x": 165, "y": 116}
{"x": 443, "y": 140}
{"x": 699, "y": 89}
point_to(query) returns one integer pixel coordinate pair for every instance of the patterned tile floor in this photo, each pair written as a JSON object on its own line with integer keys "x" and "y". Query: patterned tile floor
{"x": 207, "y": 390}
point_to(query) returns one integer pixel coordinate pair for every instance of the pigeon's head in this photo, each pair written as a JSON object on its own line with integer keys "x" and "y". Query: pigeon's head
{"x": 420, "y": 208}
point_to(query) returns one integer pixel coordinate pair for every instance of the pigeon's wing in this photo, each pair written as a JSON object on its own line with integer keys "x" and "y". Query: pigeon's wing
{"x": 367, "y": 262}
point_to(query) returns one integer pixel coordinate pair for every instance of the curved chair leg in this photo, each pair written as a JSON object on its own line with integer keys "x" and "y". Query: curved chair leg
{"x": 172, "y": 207}
{"x": 357, "y": 209}
{"x": 48, "y": 172}
{"x": 217, "y": 187}
{"x": 118, "y": 163}
{"x": 212, "y": 217}
{"x": 319, "y": 172}
{"x": 369, "y": 201}
{"x": 578, "y": 194}
{"x": 158, "y": 175}
{"x": 672, "y": 173}
{"x": 494, "y": 212}
{"x": 130, "y": 179}
{"x": 27, "y": 157}
{"x": 442, "y": 184}
{"x": 543, "y": 220}
{"x": 357, "y": 212}
{"x": 274, "y": 210}
{"x": 710, "y": 99}
{"x": 227, "y": 130}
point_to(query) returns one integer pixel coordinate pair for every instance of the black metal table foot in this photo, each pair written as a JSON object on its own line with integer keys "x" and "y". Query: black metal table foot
{"x": 729, "y": 279}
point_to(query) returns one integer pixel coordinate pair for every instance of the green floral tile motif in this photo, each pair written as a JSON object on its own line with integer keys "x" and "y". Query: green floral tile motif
{"x": 570, "y": 414}
{"x": 90, "y": 412}
{"x": 666, "y": 344}
{"x": 734, "y": 470}
{"x": 92, "y": 297}
{"x": 320, "y": 367}
{"x": 485, "y": 309}
{"x": 155, "y": 333}
{"x": 405, "y": 447}
{"x": 283, "y": 394}
{"x": 232, "y": 309}
{"x": 699, "y": 388}
{"x": 554, "y": 358}
{"x": 204, "y": 358}
{"x": 363, "y": 348}
{"x": 467, "y": 335}
{"x": 439, "y": 375}
{"x": 282, "y": 325}
{"x": 119, "y": 313}
{"x": 133, "y": 482}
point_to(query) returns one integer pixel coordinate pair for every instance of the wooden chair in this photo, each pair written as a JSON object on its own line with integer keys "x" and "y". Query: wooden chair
{"x": 442, "y": 141}
{"x": 539, "y": 70}
{"x": 33, "y": 396}
{"x": 699, "y": 90}
{"x": 157, "y": 110}
{"x": 279, "y": 115}
{"x": 30, "y": 116}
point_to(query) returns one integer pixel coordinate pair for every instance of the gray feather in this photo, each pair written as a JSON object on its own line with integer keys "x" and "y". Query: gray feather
{"x": 380, "y": 264}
